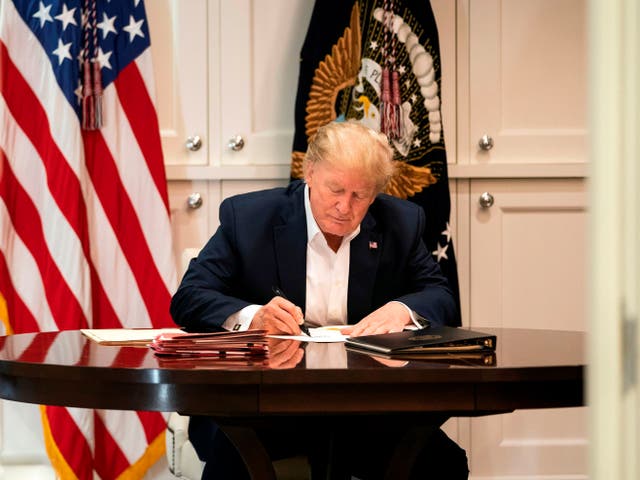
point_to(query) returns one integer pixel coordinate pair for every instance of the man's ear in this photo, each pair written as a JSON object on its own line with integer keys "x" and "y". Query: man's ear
{"x": 308, "y": 174}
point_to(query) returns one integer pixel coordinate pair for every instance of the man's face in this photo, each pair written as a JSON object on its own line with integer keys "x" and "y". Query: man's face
{"x": 339, "y": 197}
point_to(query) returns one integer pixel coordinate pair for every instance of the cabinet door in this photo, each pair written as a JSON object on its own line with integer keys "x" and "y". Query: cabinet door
{"x": 528, "y": 254}
{"x": 527, "y": 80}
{"x": 190, "y": 218}
{"x": 528, "y": 269}
{"x": 181, "y": 62}
{"x": 260, "y": 46}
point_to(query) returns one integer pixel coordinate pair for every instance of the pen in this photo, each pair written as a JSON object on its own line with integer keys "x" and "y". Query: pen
{"x": 280, "y": 293}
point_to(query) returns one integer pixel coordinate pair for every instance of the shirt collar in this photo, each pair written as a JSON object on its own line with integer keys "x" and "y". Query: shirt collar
{"x": 312, "y": 226}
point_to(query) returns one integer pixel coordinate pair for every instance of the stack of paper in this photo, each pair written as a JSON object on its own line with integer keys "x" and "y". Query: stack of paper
{"x": 128, "y": 337}
{"x": 250, "y": 344}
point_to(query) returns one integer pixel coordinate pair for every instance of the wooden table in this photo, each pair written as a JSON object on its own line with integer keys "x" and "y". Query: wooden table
{"x": 531, "y": 369}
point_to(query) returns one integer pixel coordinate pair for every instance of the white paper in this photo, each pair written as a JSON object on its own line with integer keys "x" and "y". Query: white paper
{"x": 327, "y": 334}
{"x": 126, "y": 335}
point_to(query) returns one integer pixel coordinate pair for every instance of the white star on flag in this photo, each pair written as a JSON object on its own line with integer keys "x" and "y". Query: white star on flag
{"x": 441, "y": 252}
{"x": 447, "y": 232}
{"x": 107, "y": 25}
{"x": 103, "y": 59}
{"x": 134, "y": 28}
{"x": 43, "y": 14}
{"x": 78, "y": 92}
{"x": 66, "y": 17}
{"x": 62, "y": 51}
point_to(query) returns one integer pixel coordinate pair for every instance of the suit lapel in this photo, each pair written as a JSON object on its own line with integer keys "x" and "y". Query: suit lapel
{"x": 291, "y": 253}
{"x": 363, "y": 266}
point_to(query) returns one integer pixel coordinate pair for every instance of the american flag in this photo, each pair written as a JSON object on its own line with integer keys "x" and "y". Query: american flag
{"x": 85, "y": 238}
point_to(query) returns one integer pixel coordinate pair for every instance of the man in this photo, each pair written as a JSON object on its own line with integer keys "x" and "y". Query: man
{"x": 341, "y": 251}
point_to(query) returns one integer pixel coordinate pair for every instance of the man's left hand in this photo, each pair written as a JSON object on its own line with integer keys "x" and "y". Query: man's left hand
{"x": 391, "y": 317}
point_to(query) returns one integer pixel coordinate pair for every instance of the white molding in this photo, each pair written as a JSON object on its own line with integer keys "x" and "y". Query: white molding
{"x": 456, "y": 171}
{"x": 520, "y": 170}
{"x": 227, "y": 172}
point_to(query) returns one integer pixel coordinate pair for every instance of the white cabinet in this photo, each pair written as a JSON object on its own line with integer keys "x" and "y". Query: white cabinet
{"x": 526, "y": 83}
{"x": 260, "y": 46}
{"x": 527, "y": 270}
{"x": 530, "y": 444}
{"x": 191, "y": 206}
{"x": 528, "y": 254}
{"x": 180, "y": 51}
{"x": 522, "y": 261}
{"x": 227, "y": 72}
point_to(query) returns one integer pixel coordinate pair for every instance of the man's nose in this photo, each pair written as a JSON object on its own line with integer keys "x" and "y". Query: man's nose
{"x": 343, "y": 205}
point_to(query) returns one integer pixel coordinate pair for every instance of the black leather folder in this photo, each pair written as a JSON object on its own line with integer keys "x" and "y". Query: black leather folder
{"x": 428, "y": 341}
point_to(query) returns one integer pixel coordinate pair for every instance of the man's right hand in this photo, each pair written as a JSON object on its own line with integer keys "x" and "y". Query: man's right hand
{"x": 284, "y": 353}
{"x": 279, "y": 316}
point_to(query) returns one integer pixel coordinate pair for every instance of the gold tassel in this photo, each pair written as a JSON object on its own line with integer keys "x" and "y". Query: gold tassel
{"x": 97, "y": 94}
{"x": 88, "y": 105}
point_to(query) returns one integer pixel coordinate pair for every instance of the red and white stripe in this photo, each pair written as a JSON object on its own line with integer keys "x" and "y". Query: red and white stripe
{"x": 85, "y": 237}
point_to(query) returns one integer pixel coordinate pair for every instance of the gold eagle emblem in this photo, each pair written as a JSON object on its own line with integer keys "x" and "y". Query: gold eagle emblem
{"x": 339, "y": 70}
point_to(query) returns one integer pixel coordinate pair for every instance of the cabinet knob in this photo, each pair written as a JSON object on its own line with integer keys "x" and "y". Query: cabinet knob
{"x": 193, "y": 143}
{"x": 485, "y": 200}
{"x": 194, "y": 201}
{"x": 485, "y": 143}
{"x": 236, "y": 143}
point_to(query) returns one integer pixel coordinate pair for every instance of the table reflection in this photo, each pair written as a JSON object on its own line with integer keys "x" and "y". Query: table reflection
{"x": 515, "y": 348}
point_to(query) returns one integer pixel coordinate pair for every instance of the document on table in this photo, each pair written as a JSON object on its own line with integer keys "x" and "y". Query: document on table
{"x": 126, "y": 336}
{"x": 326, "y": 334}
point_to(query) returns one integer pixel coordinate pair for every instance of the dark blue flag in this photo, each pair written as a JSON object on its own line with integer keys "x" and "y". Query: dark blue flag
{"x": 378, "y": 62}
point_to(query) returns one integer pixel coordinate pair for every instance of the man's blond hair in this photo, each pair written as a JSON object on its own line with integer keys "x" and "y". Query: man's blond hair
{"x": 353, "y": 146}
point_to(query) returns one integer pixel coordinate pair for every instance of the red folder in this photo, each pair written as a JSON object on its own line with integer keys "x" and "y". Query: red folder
{"x": 223, "y": 345}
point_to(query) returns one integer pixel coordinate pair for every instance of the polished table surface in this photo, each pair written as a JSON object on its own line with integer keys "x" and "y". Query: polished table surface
{"x": 531, "y": 369}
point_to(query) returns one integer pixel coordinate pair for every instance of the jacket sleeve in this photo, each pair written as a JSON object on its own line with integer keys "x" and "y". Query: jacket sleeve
{"x": 204, "y": 298}
{"x": 428, "y": 293}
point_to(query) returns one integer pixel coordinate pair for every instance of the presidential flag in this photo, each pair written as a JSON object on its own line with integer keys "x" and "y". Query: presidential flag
{"x": 85, "y": 237}
{"x": 378, "y": 62}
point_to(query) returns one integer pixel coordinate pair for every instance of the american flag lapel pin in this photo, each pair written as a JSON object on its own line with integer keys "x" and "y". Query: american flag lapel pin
{"x": 373, "y": 245}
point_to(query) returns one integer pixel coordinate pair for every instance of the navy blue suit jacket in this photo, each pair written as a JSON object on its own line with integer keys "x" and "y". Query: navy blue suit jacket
{"x": 262, "y": 243}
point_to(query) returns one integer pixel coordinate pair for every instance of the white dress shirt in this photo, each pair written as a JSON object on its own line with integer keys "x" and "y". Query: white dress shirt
{"x": 327, "y": 282}
{"x": 327, "y": 274}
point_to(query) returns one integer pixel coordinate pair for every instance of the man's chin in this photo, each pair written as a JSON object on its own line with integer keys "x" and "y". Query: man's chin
{"x": 340, "y": 232}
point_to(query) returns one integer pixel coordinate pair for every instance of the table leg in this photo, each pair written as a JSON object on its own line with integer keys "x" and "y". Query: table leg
{"x": 251, "y": 450}
{"x": 407, "y": 450}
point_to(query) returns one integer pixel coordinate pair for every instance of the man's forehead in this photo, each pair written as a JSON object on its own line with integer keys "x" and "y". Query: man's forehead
{"x": 350, "y": 180}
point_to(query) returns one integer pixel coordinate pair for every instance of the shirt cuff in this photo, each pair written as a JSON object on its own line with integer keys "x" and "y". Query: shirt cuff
{"x": 241, "y": 320}
{"x": 418, "y": 320}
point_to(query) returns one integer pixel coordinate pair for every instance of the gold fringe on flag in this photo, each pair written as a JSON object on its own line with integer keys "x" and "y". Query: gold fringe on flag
{"x": 4, "y": 316}
{"x": 155, "y": 450}
{"x": 58, "y": 462}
